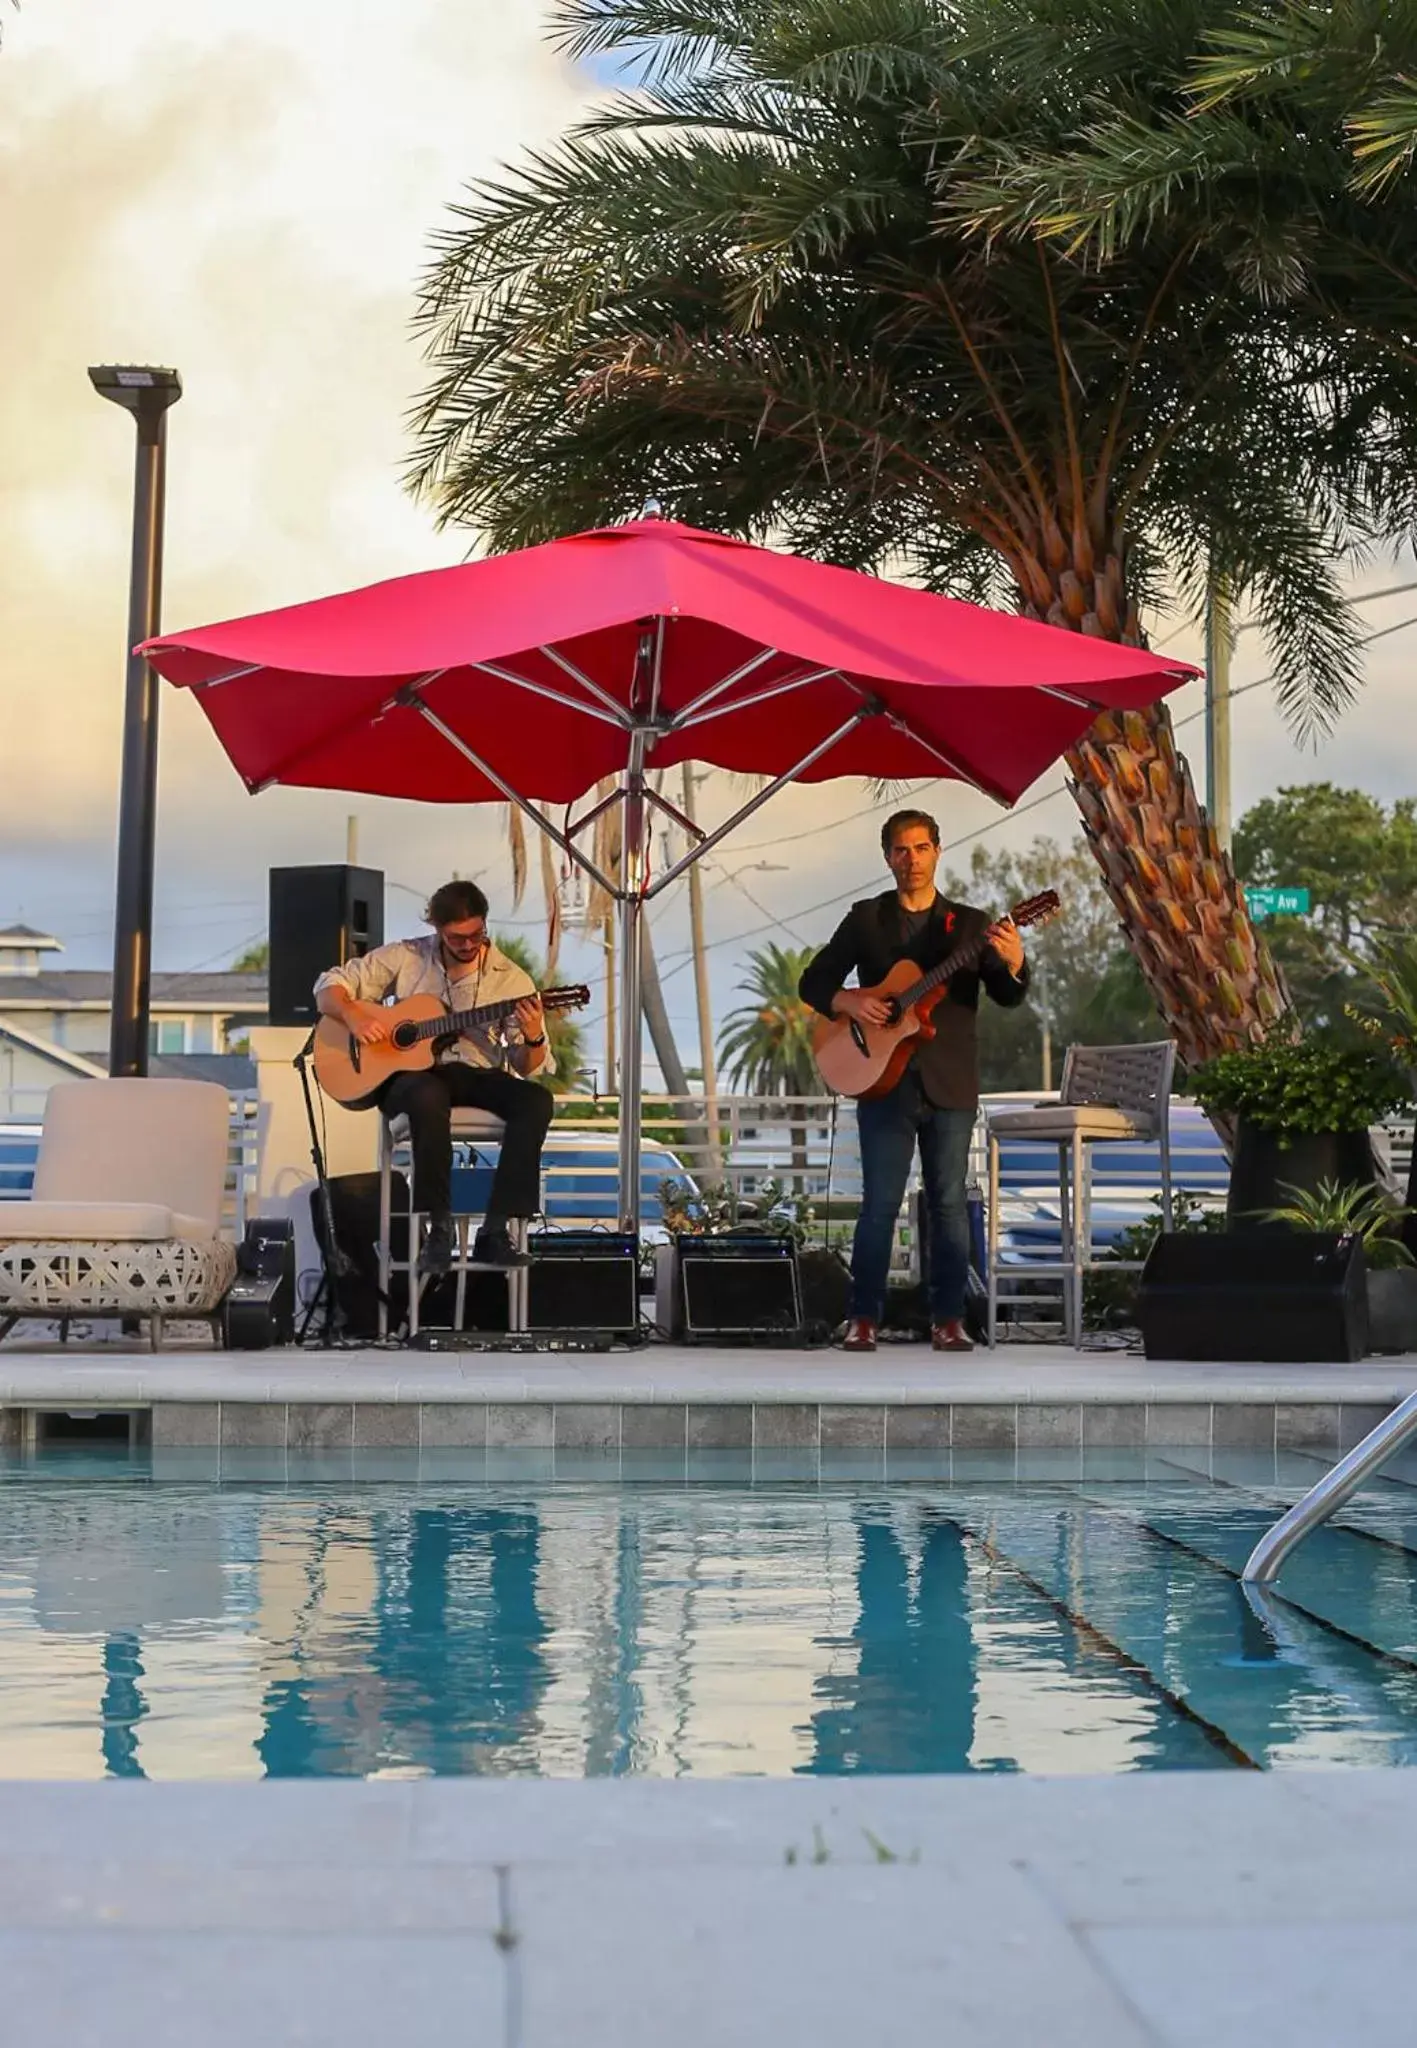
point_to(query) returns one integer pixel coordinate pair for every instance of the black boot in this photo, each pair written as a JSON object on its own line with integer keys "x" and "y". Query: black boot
{"x": 493, "y": 1247}
{"x": 436, "y": 1256}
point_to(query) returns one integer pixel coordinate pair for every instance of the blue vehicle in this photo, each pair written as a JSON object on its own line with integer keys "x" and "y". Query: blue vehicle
{"x": 19, "y": 1151}
{"x": 581, "y": 1176}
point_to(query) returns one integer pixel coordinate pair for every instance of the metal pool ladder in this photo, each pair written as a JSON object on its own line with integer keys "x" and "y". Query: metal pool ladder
{"x": 1329, "y": 1495}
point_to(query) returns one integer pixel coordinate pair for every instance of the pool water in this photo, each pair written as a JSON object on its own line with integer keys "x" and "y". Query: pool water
{"x": 172, "y": 1630}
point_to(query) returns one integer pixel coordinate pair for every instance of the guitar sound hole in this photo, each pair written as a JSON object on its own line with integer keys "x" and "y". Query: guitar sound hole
{"x": 405, "y": 1035}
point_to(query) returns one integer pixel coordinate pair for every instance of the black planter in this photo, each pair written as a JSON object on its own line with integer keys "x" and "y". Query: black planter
{"x": 1265, "y": 1167}
{"x": 1392, "y": 1309}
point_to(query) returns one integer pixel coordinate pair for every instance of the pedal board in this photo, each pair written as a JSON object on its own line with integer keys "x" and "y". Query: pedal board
{"x": 520, "y": 1340}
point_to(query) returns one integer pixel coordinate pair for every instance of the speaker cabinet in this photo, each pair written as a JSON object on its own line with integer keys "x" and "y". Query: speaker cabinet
{"x": 1251, "y": 1296}
{"x": 738, "y": 1287}
{"x": 584, "y": 1280}
{"x": 259, "y": 1309}
{"x": 319, "y": 917}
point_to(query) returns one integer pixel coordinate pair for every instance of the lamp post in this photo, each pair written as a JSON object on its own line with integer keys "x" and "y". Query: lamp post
{"x": 146, "y": 394}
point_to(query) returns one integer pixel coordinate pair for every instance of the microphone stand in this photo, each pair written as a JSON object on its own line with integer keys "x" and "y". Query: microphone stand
{"x": 335, "y": 1263}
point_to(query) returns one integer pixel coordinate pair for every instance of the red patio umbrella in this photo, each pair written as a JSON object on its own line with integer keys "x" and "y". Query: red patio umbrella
{"x": 532, "y": 676}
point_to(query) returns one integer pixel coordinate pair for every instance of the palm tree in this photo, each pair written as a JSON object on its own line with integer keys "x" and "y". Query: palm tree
{"x": 765, "y": 1047}
{"x": 807, "y": 282}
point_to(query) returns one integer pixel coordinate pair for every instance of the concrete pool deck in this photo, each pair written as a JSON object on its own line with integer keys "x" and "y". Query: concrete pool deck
{"x": 688, "y": 1402}
{"x": 1180, "y": 1910}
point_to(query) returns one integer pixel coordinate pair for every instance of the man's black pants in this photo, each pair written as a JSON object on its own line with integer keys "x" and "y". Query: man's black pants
{"x": 428, "y": 1099}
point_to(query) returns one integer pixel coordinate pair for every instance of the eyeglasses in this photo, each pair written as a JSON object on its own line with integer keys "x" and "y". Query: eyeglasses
{"x": 460, "y": 942}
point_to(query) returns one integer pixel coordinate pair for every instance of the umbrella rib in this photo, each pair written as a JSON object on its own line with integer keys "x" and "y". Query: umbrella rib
{"x": 684, "y": 720}
{"x": 614, "y": 716}
{"x": 1071, "y": 697}
{"x": 230, "y": 675}
{"x": 726, "y": 682}
{"x": 870, "y": 708}
{"x": 955, "y": 766}
{"x": 568, "y": 667}
{"x": 513, "y": 796}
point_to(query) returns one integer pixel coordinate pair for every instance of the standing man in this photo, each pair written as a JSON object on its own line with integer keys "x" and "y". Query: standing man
{"x": 936, "y": 1100}
{"x": 487, "y": 1069}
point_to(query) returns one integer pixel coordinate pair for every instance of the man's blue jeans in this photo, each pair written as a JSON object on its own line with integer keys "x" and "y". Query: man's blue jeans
{"x": 890, "y": 1129}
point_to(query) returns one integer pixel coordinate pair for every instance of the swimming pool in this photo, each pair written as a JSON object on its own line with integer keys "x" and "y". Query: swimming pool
{"x": 243, "y": 1630}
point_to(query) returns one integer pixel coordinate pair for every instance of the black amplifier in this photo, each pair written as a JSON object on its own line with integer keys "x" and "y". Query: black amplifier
{"x": 259, "y": 1309}
{"x": 584, "y": 1280}
{"x": 738, "y": 1286}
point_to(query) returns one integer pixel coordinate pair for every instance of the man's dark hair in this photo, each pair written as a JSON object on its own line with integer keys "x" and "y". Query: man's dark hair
{"x": 898, "y": 823}
{"x": 454, "y": 902}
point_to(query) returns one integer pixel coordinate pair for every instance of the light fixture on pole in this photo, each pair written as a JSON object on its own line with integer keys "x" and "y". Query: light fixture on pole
{"x": 147, "y": 394}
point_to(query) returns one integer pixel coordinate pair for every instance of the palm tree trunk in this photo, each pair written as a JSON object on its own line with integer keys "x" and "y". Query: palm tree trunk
{"x": 656, "y": 1016}
{"x": 1172, "y": 883}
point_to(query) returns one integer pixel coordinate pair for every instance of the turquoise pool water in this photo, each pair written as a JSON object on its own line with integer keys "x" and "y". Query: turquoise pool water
{"x": 458, "y": 1626}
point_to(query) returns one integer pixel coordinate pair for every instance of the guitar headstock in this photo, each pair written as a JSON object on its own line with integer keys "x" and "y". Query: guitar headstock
{"x": 1039, "y": 909}
{"x": 569, "y": 998}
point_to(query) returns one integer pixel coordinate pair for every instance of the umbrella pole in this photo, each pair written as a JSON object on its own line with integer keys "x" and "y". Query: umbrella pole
{"x": 632, "y": 867}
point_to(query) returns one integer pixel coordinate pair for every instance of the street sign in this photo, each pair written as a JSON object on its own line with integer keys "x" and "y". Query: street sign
{"x": 1277, "y": 902}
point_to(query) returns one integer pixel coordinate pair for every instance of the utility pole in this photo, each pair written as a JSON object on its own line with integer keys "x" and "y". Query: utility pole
{"x": 1219, "y": 640}
{"x": 1045, "y": 1021}
{"x": 612, "y": 1041}
{"x": 351, "y": 842}
{"x": 701, "y": 983}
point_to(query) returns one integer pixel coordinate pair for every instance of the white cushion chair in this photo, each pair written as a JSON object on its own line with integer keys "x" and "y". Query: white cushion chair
{"x": 468, "y": 1127}
{"x": 1111, "y": 1094}
{"x": 125, "y": 1216}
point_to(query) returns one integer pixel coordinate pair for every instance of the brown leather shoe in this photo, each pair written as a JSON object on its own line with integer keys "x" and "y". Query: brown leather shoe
{"x": 860, "y": 1335}
{"x": 949, "y": 1337}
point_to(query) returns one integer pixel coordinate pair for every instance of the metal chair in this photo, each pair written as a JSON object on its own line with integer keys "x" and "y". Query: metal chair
{"x": 468, "y": 1127}
{"x": 1111, "y": 1094}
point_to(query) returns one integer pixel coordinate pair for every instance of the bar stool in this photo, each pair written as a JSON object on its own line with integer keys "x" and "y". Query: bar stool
{"x": 1111, "y": 1094}
{"x": 469, "y": 1127}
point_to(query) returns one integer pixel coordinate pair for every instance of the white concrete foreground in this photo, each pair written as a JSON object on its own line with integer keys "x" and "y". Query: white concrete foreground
{"x": 1182, "y": 1910}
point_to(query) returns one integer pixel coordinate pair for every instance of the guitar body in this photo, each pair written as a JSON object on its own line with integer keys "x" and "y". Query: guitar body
{"x": 352, "y": 1074}
{"x": 867, "y": 1060}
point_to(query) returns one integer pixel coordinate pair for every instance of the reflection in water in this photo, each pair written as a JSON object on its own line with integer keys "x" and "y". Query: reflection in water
{"x": 478, "y": 1630}
{"x": 907, "y": 1703}
{"x": 123, "y": 1706}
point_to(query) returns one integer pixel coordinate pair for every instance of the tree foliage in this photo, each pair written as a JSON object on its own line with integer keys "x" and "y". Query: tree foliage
{"x": 1358, "y": 860}
{"x": 765, "y": 1046}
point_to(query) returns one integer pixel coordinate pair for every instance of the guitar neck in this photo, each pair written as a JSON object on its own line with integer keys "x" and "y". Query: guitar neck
{"x": 962, "y": 956}
{"x": 463, "y": 1021}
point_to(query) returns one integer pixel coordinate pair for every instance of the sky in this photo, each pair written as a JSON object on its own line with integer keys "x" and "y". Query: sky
{"x": 250, "y": 194}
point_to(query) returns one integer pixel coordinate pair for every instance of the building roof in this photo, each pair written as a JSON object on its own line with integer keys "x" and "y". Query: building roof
{"x": 232, "y": 1069}
{"x": 65, "y": 988}
{"x": 24, "y": 937}
{"x": 44, "y": 1048}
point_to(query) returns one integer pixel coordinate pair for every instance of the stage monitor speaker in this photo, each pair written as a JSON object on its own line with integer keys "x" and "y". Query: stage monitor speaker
{"x": 259, "y": 1309}
{"x": 739, "y": 1286}
{"x": 319, "y": 917}
{"x": 584, "y": 1280}
{"x": 1252, "y": 1297}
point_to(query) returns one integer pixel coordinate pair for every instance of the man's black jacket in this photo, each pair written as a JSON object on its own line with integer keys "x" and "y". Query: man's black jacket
{"x": 871, "y": 938}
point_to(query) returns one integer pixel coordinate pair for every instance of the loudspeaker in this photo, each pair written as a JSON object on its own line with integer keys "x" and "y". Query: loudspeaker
{"x": 319, "y": 917}
{"x": 738, "y": 1286}
{"x": 259, "y": 1309}
{"x": 1247, "y": 1296}
{"x": 586, "y": 1280}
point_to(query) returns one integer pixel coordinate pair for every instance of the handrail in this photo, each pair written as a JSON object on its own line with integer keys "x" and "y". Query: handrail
{"x": 1331, "y": 1492}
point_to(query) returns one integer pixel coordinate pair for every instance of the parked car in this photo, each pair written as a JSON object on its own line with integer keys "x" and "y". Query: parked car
{"x": 19, "y": 1149}
{"x": 581, "y": 1176}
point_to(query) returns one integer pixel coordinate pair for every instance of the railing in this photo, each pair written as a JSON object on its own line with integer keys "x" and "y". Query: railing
{"x": 1324, "y": 1500}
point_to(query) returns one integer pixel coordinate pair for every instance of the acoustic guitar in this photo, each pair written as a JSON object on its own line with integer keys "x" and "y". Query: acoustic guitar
{"x": 867, "y": 1060}
{"x": 353, "y": 1074}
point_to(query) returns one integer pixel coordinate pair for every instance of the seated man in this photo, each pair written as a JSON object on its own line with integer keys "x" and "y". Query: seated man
{"x": 460, "y": 965}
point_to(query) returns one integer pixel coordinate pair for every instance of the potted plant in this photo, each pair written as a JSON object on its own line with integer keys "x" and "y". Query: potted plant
{"x": 1302, "y": 1110}
{"x": 1389, "y": 968}
{"x": 1365, "y": 1212}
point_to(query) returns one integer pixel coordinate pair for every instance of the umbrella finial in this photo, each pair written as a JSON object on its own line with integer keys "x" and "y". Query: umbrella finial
{"x": 652, "y": 509}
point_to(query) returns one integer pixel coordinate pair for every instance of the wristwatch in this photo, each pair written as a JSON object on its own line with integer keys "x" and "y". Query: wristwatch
{"x": 535, "y": 1041}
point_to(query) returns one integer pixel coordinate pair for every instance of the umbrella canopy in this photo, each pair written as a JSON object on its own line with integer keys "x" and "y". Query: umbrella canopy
{"x": 619, "y": 652}
{"x": 764, "y": 663}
